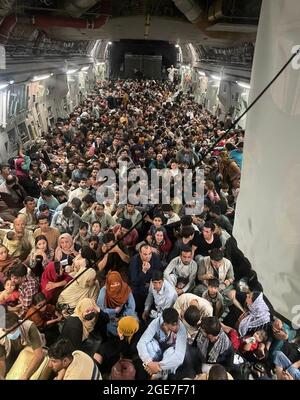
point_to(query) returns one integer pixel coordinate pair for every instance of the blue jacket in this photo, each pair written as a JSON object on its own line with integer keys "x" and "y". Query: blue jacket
{"x": 139, "y": 282}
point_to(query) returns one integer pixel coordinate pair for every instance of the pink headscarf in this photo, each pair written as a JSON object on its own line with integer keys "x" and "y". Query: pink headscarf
{"x": 59, "y": 251}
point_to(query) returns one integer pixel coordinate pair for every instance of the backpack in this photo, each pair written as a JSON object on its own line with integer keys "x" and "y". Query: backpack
{"x": 241, "y": 368}
{"x": 123, "y": 370}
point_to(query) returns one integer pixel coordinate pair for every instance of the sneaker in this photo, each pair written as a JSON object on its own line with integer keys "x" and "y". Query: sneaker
{"x": 161, "y": 375}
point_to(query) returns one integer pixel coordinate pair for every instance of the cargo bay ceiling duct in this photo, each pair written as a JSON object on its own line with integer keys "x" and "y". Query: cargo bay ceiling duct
{"x": 196, "y": 15}
{"x": 78, "y": 7}
{"x": 44, "y": 21}
{"x": 190, "y": 8}
{"x": 48, "y": 21}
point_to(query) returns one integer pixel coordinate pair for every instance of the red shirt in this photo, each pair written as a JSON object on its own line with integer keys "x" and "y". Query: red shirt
{"x": 130, "y": 239}
{"x": 239, "y": 343}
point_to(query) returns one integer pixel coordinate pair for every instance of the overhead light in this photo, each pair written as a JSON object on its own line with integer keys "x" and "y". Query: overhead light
{"x": 3, "y": 85}
{"x": 40, "y": 77}
{"x": 177, "y": 45}
{"x": 109, "y": 43}
{"x": 216, "y": 78}
{"x": 71, "y": 71}
{"x": 51, "y": 74}
{"x": 201, "y": 73}
{"x": 243, "y": 85}
{"x": 11, "y": 82}
{"x": 85, "y": 68}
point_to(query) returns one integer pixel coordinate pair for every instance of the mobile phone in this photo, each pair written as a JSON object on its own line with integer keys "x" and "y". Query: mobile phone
{"x": 64, "y": 263}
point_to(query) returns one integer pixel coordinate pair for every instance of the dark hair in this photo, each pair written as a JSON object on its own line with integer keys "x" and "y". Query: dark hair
{"x": 44, "y": 207}
{"x": 96, "y": 222}
{"x": 209, "y": 225}
{"x": 229, "y": 146}
{"x": 185, "y": 249}
{"x": 170, "y": 315}
{"x": 61, "y": 349}
{"x": 215, "y": 209}
{"x": 76, "y": 202}
{"x": 182, "y": 279}
{"x": 167, "y": 207}
{"x": 88, "y": 199}
{"x": 211, "y": 325}
{"x": 108, "y": 237}
{"x": 192, "y": 315}
{"x": 217, "y": 373}
{"x": 143, "y": 245}
{"x": 27, "y": 199}
{"x": 67, "y": 211}
{"x": 216, "y": 254}
{"x": 94, "y": 238}
{"x": 38, "y": 297}
{"x": 186, "y": 220}
{"x": 11, "y": 319}
{"x": 10, "y": 235}
{"x": 217, "y": 223}
{"x": 126, "y": 223}
{"x": 41, "y": 217}
{"x": 214, "y": 282}
{"x": 41, "y": 237}
{"x": 157, "y": 275}
{"x": 45, "y": 192}
{"x": 88, "y": 254}
{"x": 158, "y": 215}
{"x": 19, "y": 270}
{"x": 255, "y": 295}
{"x": 187, "y": 231}
{"x": 83, "y": 225}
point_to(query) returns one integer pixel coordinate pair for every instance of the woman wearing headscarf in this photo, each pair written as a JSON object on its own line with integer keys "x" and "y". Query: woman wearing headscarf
{"x": 6, "y": 263}
{"x": 116, "y": 299}
{"x": 123, "y": 344}
{"x": 81, "y": 323}
{"x": 65, "y": 247}
{"x": 83, "y": 286}
{"x": 53, "y": 278}
{"x": 258, "y": 316}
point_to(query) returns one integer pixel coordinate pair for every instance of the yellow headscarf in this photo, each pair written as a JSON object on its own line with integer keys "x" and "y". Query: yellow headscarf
{"x": 79, "y": 312}
{"x": 128, "y": 326}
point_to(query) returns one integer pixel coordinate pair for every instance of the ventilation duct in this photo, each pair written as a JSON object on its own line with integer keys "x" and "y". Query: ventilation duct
{"x": 48, "y": 21}
{"x": 78, "y": 7}
{"x": 189, "y": 8}
{"x": 233, "y": 10}
{"x": 194, "y": 13}
{"x": 215, "y": 11}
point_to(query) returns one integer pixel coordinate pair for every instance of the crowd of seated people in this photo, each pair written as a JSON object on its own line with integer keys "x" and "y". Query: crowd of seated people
{"x": 86, "y": 279}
